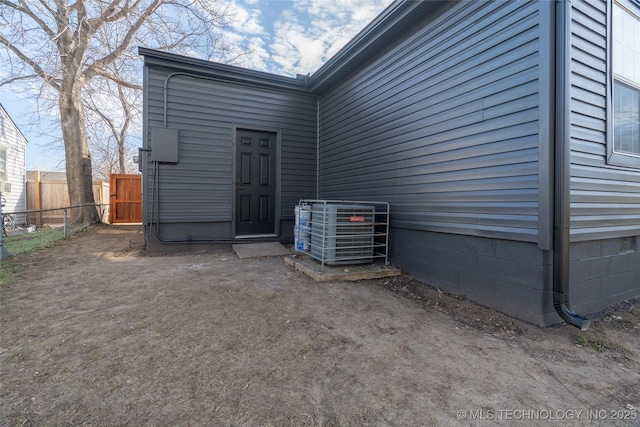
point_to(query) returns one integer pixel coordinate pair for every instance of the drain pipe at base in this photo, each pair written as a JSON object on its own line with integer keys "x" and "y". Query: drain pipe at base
{"x": 562, "y": 169}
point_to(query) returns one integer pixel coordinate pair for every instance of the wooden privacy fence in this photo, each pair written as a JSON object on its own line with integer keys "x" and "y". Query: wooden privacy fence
{"x": 126, "y": 198}
{"x": 53, "y": 194}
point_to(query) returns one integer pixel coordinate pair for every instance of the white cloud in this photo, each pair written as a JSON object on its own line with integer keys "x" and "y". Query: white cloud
{"x": 257, "y": 56}
{"x": 314, "y": 30}
{"x": 245, "y": 35}
{"x": 288, "y": 37}
{"x": 246, "y": 20}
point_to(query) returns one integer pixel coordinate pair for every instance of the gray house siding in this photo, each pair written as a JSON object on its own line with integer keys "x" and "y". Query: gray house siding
{"x": 454, "y": 113}
{"x": 451, "y": 126}
{"x": 605, "y": 199}
{"x": 194, "y": 198}
{"x": 445, "y": 125}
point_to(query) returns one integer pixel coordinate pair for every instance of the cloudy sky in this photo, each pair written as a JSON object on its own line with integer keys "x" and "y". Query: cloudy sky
{"x": 285, "y": 37}
{"x": 289, "y": 37}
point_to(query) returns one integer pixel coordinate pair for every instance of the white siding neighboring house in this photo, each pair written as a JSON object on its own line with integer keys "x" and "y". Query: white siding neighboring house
{"x": 13, "y": 148}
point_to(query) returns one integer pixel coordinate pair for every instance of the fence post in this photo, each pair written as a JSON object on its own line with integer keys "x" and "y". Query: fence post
{"x": 101, "y": 201}
{"x": 38, "y": 198}
{"x": 65, "y": 222}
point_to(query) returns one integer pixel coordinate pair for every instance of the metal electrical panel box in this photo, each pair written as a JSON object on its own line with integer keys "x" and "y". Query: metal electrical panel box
{"x": 164, "y": 145}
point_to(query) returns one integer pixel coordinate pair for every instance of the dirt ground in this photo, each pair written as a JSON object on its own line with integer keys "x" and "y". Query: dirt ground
{"x": 98, "y": 333}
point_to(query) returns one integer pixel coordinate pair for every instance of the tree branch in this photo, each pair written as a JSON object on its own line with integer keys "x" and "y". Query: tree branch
{"x": 109, "y": 16}
{"x": 31, "y": 63}
{"x": 101, "y": 63}
{"x": 118, "y": 80}
{"x": 23, "y": 8}
{"x": 46, "y": 6}
{"x": 15, "y": 79}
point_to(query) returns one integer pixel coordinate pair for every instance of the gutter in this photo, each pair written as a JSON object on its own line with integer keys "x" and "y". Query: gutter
{"x": 222, "y": 72}
{"x": 562, "y": 169}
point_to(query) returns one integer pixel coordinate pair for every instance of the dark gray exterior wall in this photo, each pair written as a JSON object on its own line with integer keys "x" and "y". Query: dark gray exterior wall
{"x": 194, "y": 198}
{"x": 452, "y": 126}
{"x": 605, "y": 199}
{"x": 452, "y": 122}
{"x": 446, "y": 125}
{"x": 604, "y": 272}
{"x": 505, "y": 275}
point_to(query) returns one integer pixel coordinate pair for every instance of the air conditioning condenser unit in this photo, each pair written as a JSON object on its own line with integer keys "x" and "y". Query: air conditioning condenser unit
{"x": 342, "y": 234}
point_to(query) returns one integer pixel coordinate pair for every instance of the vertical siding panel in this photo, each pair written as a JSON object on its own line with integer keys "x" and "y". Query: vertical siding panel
{"x": 444, "y": 125}
{"x": 605, "y": 199}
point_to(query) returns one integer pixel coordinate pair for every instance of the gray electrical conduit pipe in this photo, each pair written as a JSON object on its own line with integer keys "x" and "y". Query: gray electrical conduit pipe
{"x": 155, "y": 199}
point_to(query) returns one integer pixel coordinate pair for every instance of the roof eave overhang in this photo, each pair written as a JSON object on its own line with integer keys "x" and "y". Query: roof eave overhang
{"x": 15, "y": 126}
{"x": 222, "y": 72}
{"x": 392, "y": 23}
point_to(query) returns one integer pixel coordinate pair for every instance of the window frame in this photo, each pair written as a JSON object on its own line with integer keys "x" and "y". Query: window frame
{"x": 614, "y": 157}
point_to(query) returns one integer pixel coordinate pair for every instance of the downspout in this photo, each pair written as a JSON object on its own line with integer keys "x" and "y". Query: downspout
{"x": 562, "y": 169}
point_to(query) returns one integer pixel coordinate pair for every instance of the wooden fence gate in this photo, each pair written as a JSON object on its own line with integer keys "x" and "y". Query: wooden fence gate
{"x": 125, "y": 199}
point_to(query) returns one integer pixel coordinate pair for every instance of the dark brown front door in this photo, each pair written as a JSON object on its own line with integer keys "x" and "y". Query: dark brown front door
{"x": 255, "y": 182}
{"x": 126, "y": 198}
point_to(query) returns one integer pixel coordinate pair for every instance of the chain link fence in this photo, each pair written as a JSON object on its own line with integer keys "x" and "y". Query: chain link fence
{"x": 25, "y": 231}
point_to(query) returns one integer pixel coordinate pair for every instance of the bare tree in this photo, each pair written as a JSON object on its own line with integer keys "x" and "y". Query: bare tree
{"x": 108, "y": 126}
{"x": 66, "y": 44}
{"x": 113, "y": 110}
{"x": 104, "y": 157}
